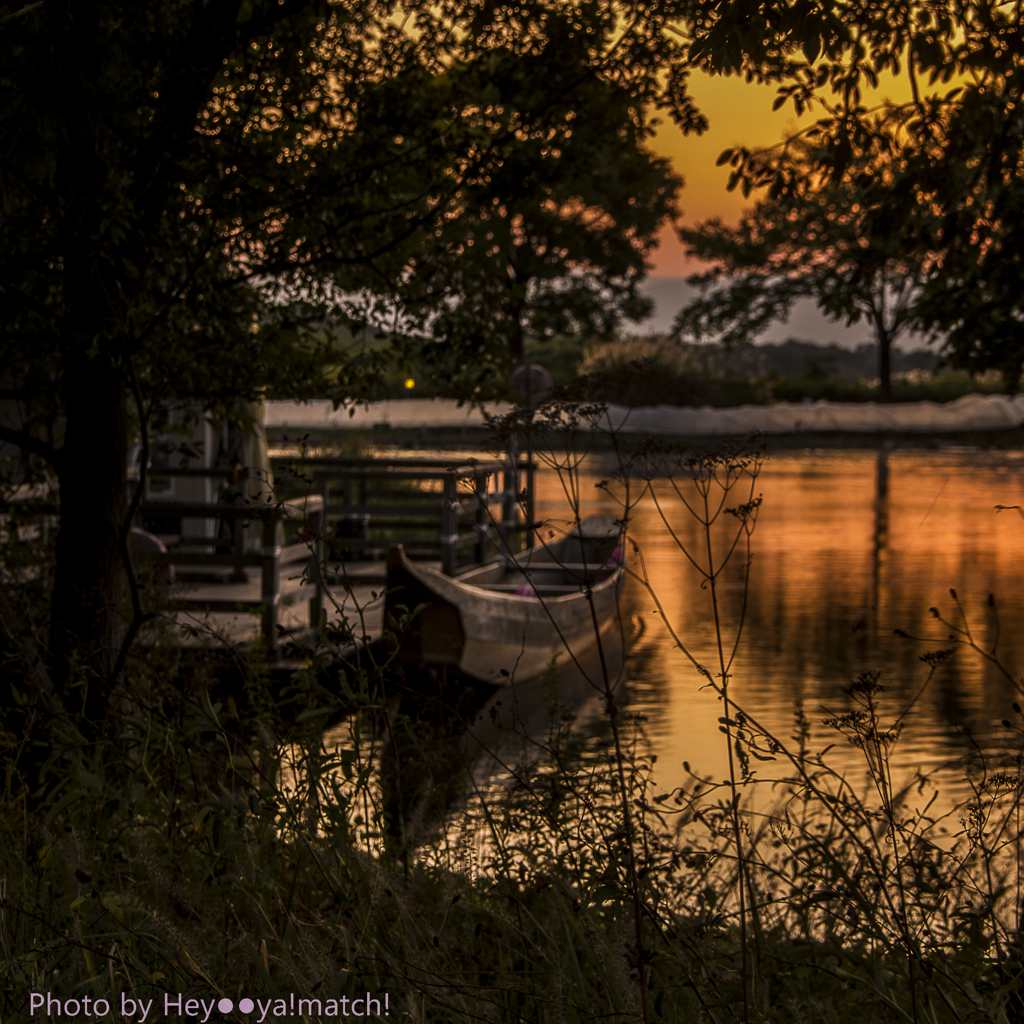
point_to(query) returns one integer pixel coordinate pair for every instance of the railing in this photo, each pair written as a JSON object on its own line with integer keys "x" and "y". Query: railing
{"x": 469, "y": 508}
{"x": 468, "y": 511}
{"x": 153, "y": 510}
{"x": 270, "y": 559}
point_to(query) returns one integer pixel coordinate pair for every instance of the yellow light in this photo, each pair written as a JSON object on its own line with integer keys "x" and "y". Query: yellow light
{"x": 409, "y": 383}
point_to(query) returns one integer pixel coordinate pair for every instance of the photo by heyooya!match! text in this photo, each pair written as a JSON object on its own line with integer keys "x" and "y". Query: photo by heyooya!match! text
{"x": 142, "y": 1011}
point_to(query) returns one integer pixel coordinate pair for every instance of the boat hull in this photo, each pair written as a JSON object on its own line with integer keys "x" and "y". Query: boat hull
{"x": 495, "y": 637}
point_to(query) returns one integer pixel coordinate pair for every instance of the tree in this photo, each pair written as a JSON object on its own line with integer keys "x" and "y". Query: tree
{"x": 813, "y": 241}
{"x": 521, "y": 259}
{"x": 189, "y": 191}
{"x": 966, "y": 171}
{"x": 953, "y": 198}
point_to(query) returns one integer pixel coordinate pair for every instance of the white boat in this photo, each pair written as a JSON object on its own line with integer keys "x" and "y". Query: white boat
{"x": 508, "y": 621}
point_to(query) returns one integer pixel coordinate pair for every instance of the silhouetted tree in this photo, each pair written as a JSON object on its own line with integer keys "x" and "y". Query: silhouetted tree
{"x": 813, "y": 241}
{"x": 952, "y": 202}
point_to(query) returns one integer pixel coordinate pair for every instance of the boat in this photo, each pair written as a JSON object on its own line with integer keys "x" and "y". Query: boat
{"x": 510, "y": 620}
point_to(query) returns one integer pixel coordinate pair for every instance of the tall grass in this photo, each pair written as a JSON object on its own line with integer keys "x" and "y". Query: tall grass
{"x": 214, "y": 838}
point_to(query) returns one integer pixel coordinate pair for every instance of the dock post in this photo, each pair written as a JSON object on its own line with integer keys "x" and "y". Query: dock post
{"x": 449, "y": 526}
{"x": 239, "y": 574}
{"x": 529, "y": 504}
{"x": 323, "y": 487}
{"x": 317, "y": 526}
{"x": 364, "y": 500}
{"x": 270, "y": 590}
{"x": 482, "y": 515}
{"x": 508, "y": 507}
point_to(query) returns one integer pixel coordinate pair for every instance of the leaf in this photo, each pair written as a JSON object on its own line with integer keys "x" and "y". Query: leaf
{"x": 811, "y": 48}
{"x": 183, "y": 958}
{"x": 606, "y": 893}
{"x": 200, "y": 818}
{"x": 111, "y": 902}
{"x": 68, "y": 798}
{"x": 724, "y": 157}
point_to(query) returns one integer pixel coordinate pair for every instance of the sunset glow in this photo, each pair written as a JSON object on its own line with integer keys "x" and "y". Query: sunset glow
{"x": 740, "y": 114}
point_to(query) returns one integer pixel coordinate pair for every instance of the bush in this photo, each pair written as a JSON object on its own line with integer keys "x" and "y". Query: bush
{"x": 658, "y": 371}
{"x": 655, "y": 370}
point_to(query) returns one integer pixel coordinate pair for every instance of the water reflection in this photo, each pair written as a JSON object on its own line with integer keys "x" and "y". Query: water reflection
{"x": 850, "y": 546}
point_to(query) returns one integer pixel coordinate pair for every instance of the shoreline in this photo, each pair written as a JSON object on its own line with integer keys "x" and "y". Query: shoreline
{"x": 974, "y": 420}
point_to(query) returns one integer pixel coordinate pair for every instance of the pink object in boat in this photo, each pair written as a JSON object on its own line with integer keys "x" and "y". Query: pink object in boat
{"x": 613, "y": 563}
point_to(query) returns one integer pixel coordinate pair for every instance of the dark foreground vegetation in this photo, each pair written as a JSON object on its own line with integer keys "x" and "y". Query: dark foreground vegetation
{"x": 218, "y": 842}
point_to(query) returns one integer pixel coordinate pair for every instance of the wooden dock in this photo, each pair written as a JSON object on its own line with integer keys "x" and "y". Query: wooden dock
{"x": 231, "y": 613}
{"x": 248, "y": 569}
{"x": 262, "y": 572}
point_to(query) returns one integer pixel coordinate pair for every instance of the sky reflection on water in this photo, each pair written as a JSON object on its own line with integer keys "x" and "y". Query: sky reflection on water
{"x": 849, "y": 546}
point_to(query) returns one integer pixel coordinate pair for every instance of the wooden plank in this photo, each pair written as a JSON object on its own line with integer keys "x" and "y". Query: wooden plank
{"x": 289, "y": 510}
{"x": 295, "y": 553}
{"x": 341, "y": 511}
{"x": 397, "y": 521}
{"x": 207, "y": 510}
{"x": 218, "y": 604}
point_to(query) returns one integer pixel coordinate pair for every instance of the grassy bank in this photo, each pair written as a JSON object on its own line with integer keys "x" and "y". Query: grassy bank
{"x": 195, "y": 870}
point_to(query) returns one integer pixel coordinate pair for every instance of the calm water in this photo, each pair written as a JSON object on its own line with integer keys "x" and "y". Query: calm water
{"x": 849, "y": 546}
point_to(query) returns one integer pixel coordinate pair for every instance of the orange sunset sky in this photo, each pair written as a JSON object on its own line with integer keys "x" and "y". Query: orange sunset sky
{"x": 739, "y": 114}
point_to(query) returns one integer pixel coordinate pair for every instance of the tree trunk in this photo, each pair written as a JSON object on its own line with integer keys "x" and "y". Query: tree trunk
{"x": 883, "y": 338}
{"x": 87, "y": 613}
{"x": 885, "y": 365}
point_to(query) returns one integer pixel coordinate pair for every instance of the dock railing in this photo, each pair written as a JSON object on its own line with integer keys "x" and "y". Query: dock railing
{"x": 271, "y": 558}
{"x": 460, "y": 514}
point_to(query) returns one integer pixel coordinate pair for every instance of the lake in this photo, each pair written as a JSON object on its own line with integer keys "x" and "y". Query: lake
{"x": 849, "y": 546}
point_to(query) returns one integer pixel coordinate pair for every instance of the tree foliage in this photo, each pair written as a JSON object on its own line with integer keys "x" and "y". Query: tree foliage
{"x": 953, "y": 200}
{"x": 534, "y": 250}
